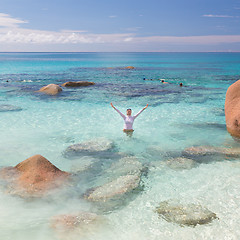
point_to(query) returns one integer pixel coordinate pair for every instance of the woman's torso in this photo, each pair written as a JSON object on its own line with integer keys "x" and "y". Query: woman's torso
{"x": 128, "y": 122}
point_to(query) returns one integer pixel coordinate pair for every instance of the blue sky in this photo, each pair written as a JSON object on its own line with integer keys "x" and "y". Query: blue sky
{"x": 109, "y": 25}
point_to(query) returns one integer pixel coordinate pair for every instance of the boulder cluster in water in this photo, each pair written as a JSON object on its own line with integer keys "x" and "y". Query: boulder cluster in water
{"x": 54, "y": 89}
{"x": 36, "y": 176}
{"x": 189, "y": 214}
{"x": 124, "y": 175}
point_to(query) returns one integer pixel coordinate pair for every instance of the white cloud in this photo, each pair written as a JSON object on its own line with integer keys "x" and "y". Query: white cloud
{"x": 218, "y": 16}
{"x": 12, "y": 34}
{"x": 129, "y": 39}
{"x": 63, "y": 37}
{"x": 112, "y": 16}
{"x": 7, "y": 21}
{"x": 194, "y": 40}
{"x": 28, "y": 36}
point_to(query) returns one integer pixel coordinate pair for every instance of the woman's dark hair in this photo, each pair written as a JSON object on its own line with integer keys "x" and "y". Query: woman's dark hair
{"x": 129, "y": 109}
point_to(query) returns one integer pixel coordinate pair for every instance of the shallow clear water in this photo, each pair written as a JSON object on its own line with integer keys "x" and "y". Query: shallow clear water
{"x": 176, "y": 118}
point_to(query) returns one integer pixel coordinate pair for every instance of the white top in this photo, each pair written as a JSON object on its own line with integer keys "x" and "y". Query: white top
{"x": 128, "y": 120}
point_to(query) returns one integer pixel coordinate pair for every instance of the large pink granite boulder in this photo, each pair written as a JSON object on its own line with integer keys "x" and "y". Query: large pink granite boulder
{"x": 232, "y": 109}
{"x": 34, "y": 176}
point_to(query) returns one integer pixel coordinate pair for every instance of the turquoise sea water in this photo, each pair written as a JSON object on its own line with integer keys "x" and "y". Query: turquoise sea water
{"x": 177, "y": 118}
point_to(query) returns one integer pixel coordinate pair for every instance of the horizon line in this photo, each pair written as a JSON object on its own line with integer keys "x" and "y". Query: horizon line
{"x": 120, "y": 52}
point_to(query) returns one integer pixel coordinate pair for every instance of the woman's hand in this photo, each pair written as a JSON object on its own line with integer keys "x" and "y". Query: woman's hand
{"x": 112, "y": 105}
{"x": 145, "y": 107}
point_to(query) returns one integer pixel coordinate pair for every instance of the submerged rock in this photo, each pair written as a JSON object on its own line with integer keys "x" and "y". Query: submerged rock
{"x": 71, "y": 221}
{"x": 77, "y": 84}
{"x": 231, "y": 152}
{"x": 83, "y": 164}
{"x": 210, "y": 150}
{"x": 34, "y": 176}
{"x": 202, "y": 150}
{"x": 126, "y": 166}
{"x": 114, "y": 189}
{"x": 51, "y": 89}
{"x": 98, "y": 145}
{"x": 161, "y": 152}
{"x": 180, "y": 163}
{"x": 9, "y": 108}
{"x": 232, "y": 109}
{"x": 80, "y": 225}
{"x": 190, "y": 214}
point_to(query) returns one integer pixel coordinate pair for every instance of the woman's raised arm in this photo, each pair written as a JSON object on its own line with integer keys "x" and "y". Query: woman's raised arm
{"x": 122, "y": 115}
{"x": 140, "y": 111}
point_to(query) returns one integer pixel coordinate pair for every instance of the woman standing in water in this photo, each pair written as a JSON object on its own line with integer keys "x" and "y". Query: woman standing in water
{"x": 128, "y": 120}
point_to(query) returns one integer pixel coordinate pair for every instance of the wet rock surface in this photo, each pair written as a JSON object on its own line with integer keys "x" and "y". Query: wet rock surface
{"x": 189, "y": 215}
{"x": 77, "y": 84}
{"x": 114, "y": 189}
{"x": 210, "y": 150}
{"x": 80, "y": 225}
{"x": 129, "y": 67}
{"x": 33, "y": 177}
{"x": 70, "y": 221}
{"x": 232, "y": 109}
{"x": 51, "y": 89}
{"x": 126, "y": 166}
{"x": 83, "y": 164}
{"x": 180, "y": 163}
{"x": 96, "y": 146}
{"x": 159, "y": 152}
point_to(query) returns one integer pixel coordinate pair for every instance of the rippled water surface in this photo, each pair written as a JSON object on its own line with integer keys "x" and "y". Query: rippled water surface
{"x": 177, "y": 118}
